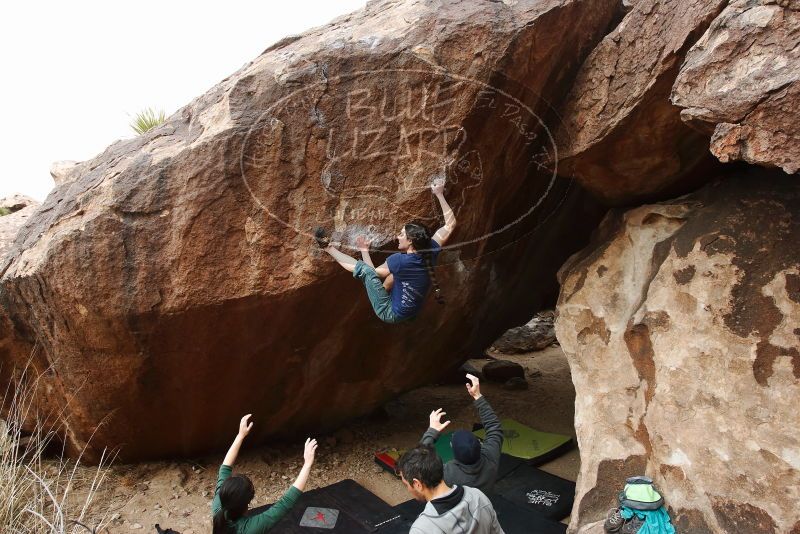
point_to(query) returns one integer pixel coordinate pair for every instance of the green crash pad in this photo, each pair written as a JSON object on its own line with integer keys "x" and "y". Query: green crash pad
{"x": 524, "y": 442}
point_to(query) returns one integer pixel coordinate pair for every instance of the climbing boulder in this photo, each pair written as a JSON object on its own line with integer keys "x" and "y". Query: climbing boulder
{"x": 740, "y": 83}
{"x": 622, "y": 138}
{"x": 171, "y": 284}
{"x": 681, "y": 324}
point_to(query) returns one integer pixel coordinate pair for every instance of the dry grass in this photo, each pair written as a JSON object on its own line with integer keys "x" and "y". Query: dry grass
{"x": 42, "y": 492}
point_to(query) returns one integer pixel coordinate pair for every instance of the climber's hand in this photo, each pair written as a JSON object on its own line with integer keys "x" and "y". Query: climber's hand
{"x": 362, "y": 243}
{"x": 437, "y": 186}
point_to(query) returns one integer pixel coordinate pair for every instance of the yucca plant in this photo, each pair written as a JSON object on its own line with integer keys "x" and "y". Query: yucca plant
{"x": 147, "y": 119}
{"x": 41, "y": 494}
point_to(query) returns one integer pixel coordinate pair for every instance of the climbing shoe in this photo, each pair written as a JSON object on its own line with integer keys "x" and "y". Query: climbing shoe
{"x": 632, "y": 525}
{"x": 614, "y": 520}
{"x": 321, "y": 237}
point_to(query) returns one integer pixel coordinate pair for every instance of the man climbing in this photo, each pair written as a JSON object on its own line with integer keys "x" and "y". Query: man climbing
{"x": 409, "y": 274}
{"x": 448, "y": 509}
{"x": 475, "y": 464}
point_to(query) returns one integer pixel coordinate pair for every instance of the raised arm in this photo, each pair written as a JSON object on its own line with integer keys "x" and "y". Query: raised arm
{"x": 308, "y": 460}
{"x": 244, "y": 428}
{"x": 443, "y": 234}
{"x": 493, "y": 442}
{"x": 269, "y": 518}
{"x": 230, "y": 458}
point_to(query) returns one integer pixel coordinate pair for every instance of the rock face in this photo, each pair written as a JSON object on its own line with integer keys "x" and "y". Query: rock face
{"x": 64, "y": 171}
{"x": 171, "y": 283}
{"x": 741, "y": 83}
{"x": 682, "y": 328}
{"x": 21, "y": 207}
{"x": 17, "y": 202}
{"x": 622, "y": 138}
{"x": 536, "y": 334}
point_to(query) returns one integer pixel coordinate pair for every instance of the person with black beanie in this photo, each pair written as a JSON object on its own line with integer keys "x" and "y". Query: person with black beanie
{"x": 475, "y": 464}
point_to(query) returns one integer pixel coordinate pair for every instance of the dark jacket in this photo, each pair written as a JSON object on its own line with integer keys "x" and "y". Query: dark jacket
{"x": 483, "y": 473}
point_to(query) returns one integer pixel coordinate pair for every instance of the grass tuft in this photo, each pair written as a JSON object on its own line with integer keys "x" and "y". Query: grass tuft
{"x": 147, "y": 119}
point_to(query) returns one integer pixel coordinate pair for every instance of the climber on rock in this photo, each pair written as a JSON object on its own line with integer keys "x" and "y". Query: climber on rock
{"x": 408, "y": 274}
{"x": 234, "y": 493}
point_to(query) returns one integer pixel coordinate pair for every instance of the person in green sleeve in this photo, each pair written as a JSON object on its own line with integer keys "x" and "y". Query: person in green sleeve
{"x": 234, "y": 493}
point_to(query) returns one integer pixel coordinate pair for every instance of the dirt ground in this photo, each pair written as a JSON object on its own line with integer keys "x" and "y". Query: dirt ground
{"x": 177, "y": 494}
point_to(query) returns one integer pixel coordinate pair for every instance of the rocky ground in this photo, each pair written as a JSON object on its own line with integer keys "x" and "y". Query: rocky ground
{"x": 177, "y": 494}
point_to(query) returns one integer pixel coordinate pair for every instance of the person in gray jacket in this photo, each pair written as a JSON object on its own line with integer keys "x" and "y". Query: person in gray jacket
{"x": 449, "y": 510}
{"x": 474, "y": 464}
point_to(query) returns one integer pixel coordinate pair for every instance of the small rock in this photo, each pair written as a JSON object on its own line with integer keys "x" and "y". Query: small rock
{"x": 538, "y": 334}
{"x": 503, "y": 370}
{"x": 136, "y": 526}
{"x": 515, "y": 384}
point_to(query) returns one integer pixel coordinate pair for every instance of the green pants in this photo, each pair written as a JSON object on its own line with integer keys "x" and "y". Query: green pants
{"x": 378, "y": 296}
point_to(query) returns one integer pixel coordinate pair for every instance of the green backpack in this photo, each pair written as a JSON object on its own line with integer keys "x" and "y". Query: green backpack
{"x": 639, "y": 494}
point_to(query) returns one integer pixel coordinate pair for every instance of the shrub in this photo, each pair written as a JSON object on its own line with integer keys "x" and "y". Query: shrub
{"x": 146, "y": 120}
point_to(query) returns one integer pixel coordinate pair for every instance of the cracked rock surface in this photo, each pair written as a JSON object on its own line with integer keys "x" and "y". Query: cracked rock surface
{"x": 681, "y": 324}
{"x": 741, "y": 83}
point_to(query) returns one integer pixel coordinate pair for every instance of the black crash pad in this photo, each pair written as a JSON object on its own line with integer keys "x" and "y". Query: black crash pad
{"x": 518, "y": 520}
{"x": 359, "y": 511}
{"x": 548, "y": 495}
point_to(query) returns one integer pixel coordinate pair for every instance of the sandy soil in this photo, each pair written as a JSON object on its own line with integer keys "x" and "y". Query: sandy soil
{"x": 177, "y": 494}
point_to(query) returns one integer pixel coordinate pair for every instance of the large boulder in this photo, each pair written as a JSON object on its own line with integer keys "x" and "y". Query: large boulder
{"x": 171, "y": 283}
{"x": 622, "y": 138}
{"x": 681, "y": 324}
{"x": 741, "y": 84}
{"x": 17, "y": 208}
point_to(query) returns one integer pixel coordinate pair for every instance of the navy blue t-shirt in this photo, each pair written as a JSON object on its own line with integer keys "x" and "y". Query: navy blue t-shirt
{"x": 411, "y": 280}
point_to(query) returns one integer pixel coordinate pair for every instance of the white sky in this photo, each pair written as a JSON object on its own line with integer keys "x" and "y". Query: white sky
{"x": 73, "y": 73}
